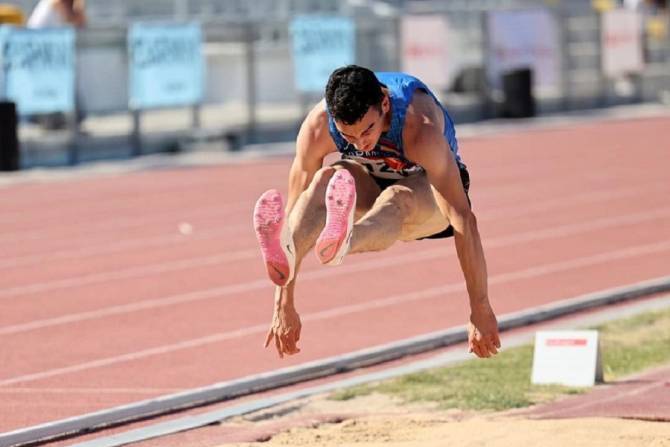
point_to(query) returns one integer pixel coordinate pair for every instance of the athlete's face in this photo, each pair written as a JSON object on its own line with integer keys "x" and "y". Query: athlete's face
{"x": 365, "y": 133}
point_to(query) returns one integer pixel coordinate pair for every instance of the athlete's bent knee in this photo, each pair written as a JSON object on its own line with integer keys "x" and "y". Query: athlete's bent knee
{"x": 399, "y": 196}
{"x": 322, "y": 176}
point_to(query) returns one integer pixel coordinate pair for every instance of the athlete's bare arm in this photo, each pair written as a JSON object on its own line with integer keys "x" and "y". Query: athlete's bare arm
{"x": 425, "y": 144}
{"x": 312, "y": 146}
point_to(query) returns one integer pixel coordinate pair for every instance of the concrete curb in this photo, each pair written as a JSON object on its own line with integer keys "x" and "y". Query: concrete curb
{"x": 231, "y": 389}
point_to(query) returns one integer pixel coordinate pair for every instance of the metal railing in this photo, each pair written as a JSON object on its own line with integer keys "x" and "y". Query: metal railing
{"x": 250, "y": 93}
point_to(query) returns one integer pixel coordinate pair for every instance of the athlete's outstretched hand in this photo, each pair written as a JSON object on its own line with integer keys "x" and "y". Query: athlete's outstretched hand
{"x": 483, "y": 338}
{"x": 285, "y": 328}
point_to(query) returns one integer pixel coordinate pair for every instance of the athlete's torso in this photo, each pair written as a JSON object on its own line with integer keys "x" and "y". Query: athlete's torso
{"x": 387, "y": 159}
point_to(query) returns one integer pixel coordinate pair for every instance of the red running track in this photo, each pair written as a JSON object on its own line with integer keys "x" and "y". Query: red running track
{"x": 645, "y": 396}
{"x": 103, "y": 301}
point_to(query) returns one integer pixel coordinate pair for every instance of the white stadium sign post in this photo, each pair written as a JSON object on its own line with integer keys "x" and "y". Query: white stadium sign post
{"x": 621, "y": 42}
{"x": 570, "y": 358}
{"x": 425, "y": 49}
{"x": 524, "y": 38}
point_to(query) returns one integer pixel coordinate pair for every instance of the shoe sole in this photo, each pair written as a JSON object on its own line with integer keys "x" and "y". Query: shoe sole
{"x": 333, "y": 242}
{"x": 274, "y": 237}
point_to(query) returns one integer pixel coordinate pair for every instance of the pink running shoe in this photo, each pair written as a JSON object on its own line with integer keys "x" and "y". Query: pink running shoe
{"x": 274, "y": 237}
{"x": 333, "y": 243}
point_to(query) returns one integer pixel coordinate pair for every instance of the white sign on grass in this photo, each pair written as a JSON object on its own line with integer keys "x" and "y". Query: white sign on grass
{"x": 569, "y": 358}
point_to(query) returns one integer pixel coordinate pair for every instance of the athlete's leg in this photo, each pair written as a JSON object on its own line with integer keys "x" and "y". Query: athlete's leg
{"x": 406, "y": 210}
{"x": 308, "y": 216}
{"x": 284, "y": 246}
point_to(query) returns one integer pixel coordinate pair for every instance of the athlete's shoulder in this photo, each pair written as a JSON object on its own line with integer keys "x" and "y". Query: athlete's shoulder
{"x": 424, "y": 122}
{"x": 315, "y": 128}
{"x": 318, "y": 115}
{"x": 422, "y": 112}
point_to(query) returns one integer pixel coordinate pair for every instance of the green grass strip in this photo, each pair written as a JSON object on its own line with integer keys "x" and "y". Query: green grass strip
{"x": 503, "y": 382}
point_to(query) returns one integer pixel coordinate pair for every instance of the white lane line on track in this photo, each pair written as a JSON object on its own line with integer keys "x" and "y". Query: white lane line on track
{"x": 127, "y": 223}
{"x": 37, "y": 234}
{"x": 21, "y": 237}
{"x": 138, "y": 272}
{"x": 261, "y": 284}
{"x": 584, "y": 197}
{"x": 123, "y": 203}
{"x": 47, "y": 235}
{"x": 529, "y": 208}
{"x": 486, "y": 215}
{"x": 107, "y": 248}
{"x": 627, "y": 253}
{"x": 603, "y": 400}
{"x": 102, "y": 201}
{"x": 89, "y": 391}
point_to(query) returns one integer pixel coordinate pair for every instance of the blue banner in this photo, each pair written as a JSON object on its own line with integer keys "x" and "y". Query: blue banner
{"x": 166, "y": 65}
{"x": 320, "y": 45}
{"x": 39, "y": 69}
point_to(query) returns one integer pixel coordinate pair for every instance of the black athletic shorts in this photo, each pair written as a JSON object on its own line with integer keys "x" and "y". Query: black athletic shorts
{"x": 384, "y": 183}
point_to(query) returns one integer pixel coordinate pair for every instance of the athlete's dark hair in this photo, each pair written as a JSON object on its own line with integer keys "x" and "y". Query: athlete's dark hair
{"x": 350, "y": 92}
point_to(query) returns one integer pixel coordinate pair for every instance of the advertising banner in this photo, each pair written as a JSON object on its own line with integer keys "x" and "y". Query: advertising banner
{"x": 524, "y": 39}
{"x": 425, "y": 49}
{"x": 320, "y": 45}
{"x": 621, "y": 42}
{"x": 166, "y": 65}
{"x": 38, "y": 69}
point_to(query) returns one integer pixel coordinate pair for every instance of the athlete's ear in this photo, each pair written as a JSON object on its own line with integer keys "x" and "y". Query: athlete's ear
{"x": 386, "y": 104}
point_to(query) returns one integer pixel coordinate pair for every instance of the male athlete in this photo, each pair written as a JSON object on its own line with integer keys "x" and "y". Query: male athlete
{"x": 400, "y": 177}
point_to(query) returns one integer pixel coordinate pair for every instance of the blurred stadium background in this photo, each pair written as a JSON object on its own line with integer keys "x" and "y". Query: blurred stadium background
{"x": 250, "y": 95}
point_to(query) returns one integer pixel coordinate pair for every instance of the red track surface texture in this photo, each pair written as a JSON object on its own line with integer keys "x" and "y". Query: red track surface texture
{"x": 646, "y": 396}
{"x": 103, "y": 301}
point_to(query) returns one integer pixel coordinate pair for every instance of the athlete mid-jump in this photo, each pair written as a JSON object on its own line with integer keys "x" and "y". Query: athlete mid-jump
{"x": 400, "y": 177}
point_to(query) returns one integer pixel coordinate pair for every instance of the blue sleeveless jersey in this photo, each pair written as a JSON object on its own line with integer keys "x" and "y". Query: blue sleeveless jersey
{"x": 387, "y": 159}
